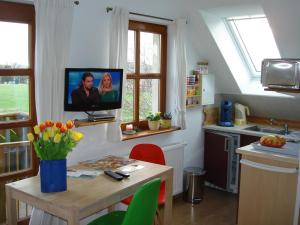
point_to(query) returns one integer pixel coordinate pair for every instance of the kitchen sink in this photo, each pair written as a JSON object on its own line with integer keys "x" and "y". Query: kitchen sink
{"x": 266, "y": 130}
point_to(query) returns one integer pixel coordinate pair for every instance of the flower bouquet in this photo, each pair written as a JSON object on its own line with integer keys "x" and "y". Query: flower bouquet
{"x": 52, "y": 143}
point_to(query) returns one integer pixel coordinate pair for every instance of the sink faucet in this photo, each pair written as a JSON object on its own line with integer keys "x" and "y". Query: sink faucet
{"x": 285, "y": 126}
{"x": 286, "y": 129}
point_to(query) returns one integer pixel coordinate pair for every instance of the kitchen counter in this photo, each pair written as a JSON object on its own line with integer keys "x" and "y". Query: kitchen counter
{"x": 250, "y": 150}
{"x": 268, "y": 186}
{"x": 295, "y": 134}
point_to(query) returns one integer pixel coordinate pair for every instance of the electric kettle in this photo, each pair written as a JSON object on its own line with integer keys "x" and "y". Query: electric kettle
{"x": 241, "y": 111}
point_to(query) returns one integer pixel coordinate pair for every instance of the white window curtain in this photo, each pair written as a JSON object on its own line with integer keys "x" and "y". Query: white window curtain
{"x": 53, "y": 32}
{"x": 180, "y": 74}
{"x": 118, "y": 60}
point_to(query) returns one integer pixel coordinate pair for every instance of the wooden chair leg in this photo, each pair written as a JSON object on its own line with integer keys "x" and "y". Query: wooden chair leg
{"x": 158, "y": 216}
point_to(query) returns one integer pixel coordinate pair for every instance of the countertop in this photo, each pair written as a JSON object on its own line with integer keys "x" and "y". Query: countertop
{"x": 295, "y": 134}
{"x": 252, "y": 151}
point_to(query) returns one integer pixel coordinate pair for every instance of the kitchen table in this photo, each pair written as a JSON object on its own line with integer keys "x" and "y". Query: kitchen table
{"x": 85, "y": 197}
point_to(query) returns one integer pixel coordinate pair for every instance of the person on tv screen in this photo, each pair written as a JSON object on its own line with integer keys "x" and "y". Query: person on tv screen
{"x": 86, "y": 94}
{"x": 107, "y": 94}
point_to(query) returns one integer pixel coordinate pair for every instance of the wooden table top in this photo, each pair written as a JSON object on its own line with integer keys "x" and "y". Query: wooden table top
{"x": 87, "y": 195}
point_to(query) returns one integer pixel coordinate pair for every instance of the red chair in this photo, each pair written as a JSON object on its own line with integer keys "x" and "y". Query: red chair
{"x": 153, "y": 154}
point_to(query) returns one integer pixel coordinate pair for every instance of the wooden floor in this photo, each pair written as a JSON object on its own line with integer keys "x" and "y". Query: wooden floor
{"x": 217, "y": 208}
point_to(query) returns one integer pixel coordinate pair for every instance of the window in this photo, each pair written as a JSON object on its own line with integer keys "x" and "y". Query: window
{"x": 17, "y": 105}
{"x": 255, "y": 40}
{"x": 146, "y": 78}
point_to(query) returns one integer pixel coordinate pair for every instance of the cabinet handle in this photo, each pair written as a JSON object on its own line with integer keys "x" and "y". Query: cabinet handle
{"x": 269, "y": 168}
{"x": 226, "y": 145}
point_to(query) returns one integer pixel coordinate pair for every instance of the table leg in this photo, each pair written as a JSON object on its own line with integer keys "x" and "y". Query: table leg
{"x": 167, "y": 211}
{"x": 11, "y": 208}
{"x": 73, "y": 218}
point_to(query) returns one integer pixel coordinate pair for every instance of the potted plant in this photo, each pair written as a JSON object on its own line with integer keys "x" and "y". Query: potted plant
{"x": 153, "y": 120}
{"x": 166, "y": 120}
{"x": 52, "y": 143}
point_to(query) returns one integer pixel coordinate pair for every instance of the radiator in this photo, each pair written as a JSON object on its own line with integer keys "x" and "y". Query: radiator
{"x": 174, "y": 155}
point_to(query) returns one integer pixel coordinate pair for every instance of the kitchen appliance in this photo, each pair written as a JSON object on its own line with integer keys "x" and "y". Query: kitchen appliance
{"x": 226, "y": 114}
{"x": 281, "y": 73}
{"x": 223, "y": 171}
{"x": 240, "y": 114}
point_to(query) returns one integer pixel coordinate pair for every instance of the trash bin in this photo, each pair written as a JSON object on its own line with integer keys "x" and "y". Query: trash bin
{"x": 193, "y": 182}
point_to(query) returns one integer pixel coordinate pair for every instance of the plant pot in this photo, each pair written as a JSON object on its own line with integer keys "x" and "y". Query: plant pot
{"x": 53, "y": 175}
{"x": 153, "y": 125}
{"x": 165, "y": 123}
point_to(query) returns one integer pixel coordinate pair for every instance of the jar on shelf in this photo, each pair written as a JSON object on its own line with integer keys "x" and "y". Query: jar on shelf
{"x": 190, "y": 79}
{"x": 203, "y": 67}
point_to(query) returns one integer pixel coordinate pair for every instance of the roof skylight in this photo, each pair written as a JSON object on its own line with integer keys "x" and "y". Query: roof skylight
{"x": 255, "y": 40}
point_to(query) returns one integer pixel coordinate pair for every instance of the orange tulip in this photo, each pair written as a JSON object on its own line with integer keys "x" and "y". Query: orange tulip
{"x": 70, "y": 124}
{"x": 42, "y": 127}
{"x": 63, "y": 129}
{"x": 58, "y": 124}
{"x": 49, "y": 123}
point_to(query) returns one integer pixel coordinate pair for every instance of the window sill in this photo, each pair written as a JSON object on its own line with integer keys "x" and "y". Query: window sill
{"x": 145, "y": 133}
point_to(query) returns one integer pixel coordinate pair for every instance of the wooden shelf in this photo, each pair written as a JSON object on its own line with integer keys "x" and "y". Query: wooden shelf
{"x": 85, "y": 122}
{"x": 191, "y": 96}
{"x": 283, "y": 90}
{"x": 146, "y": 133}
{"x": 192, "y": 85}
{"x": 192, "y": 106}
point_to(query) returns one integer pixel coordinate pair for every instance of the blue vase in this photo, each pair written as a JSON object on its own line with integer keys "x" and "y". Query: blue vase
{"x": 53, "y": 175}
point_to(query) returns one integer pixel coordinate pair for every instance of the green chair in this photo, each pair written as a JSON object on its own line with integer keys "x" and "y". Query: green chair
{"x": 141, "y": 210}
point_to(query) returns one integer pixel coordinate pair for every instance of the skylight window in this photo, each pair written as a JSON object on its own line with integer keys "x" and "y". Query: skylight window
{"x": 255, "y": 40}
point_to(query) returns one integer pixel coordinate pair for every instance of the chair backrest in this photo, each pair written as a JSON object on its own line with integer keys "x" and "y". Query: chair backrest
{"x": 142, "y": 208}
{"x": 149, "y": 153}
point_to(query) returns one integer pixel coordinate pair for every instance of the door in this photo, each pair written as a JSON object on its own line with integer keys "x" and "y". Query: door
{"x": 208, "y": 89}
{"x": 216, "y": 156}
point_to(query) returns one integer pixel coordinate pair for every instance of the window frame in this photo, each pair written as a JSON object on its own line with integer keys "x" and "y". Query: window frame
{"x": 241, "y": 46}
{"x": 138, "y": 27}
{"x": 22, "y": 13}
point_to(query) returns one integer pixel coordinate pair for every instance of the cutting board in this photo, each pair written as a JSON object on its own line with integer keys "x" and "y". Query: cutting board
{"x": 211, "y": 115}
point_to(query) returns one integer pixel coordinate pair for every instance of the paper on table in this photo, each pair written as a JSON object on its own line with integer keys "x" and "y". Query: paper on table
{"x": 78, "y": 173}
{"x": 131, "y": 168}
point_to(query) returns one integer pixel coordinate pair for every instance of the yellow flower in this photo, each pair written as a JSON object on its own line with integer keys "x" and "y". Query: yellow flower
{"x": 57, "y": 138}
{"x": 51, "y": 132}
{"x": 76, "y": 136}
{"x": 45, "y": 136}
{"x": 36, "y": 129}
{"x": 30, "y": 136}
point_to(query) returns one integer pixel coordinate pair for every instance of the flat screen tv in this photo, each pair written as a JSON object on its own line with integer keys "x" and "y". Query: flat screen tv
{"x": 88, "y": 89}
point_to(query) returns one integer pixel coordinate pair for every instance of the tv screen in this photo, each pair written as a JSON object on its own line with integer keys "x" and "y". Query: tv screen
{"x": 93, "y": 89}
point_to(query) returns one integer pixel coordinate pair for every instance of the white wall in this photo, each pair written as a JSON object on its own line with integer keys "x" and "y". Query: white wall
{"x": 283, "y": 17}
{"x": 89, "y": 46}
{"x": 269, "y": 107}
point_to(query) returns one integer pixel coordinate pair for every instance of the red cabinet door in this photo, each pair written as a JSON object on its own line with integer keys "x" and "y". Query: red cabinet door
{"x": 216, "y": 158}
{"x": 247, "y": 139}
